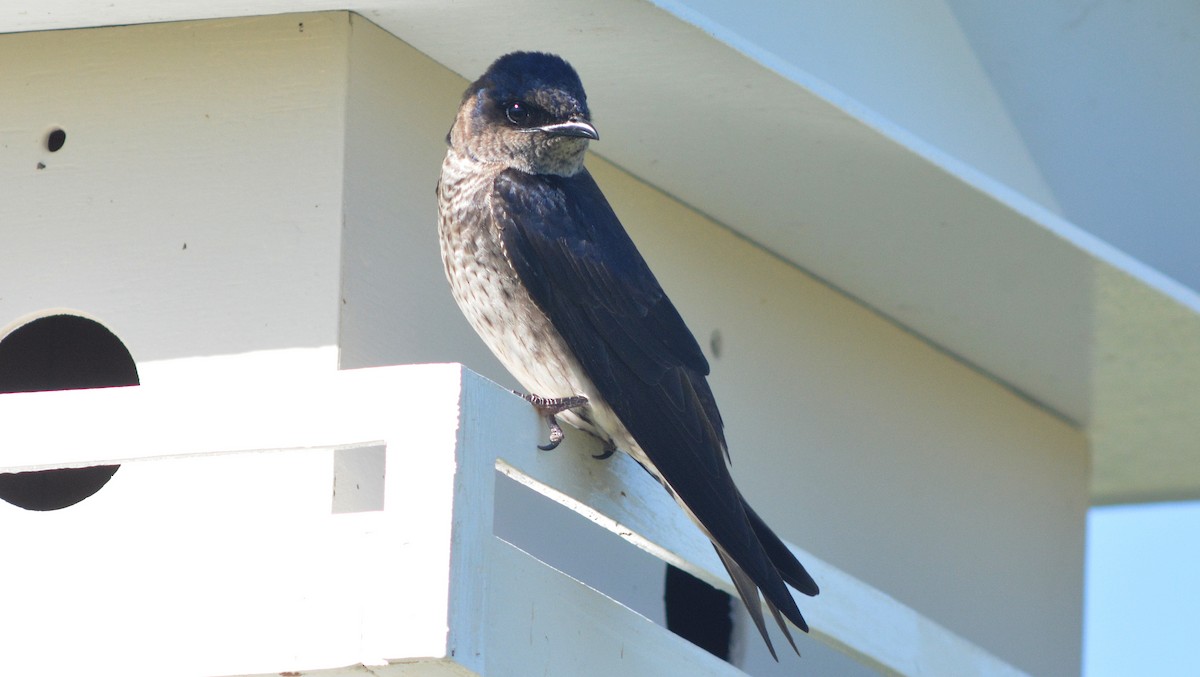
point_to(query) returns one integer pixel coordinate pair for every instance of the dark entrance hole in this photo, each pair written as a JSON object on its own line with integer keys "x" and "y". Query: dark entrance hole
{"x": 698, "y": 612}
{"x": 60, "y": 352}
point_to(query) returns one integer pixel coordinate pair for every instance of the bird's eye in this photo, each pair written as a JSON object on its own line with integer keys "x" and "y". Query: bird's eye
{"x": 517, "y": 113}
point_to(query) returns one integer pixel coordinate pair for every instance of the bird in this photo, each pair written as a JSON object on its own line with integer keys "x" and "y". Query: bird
{"x": 545, "y": 273}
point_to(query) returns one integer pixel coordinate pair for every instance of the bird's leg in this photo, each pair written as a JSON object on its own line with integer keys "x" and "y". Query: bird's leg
{"x": 549, "y": 408}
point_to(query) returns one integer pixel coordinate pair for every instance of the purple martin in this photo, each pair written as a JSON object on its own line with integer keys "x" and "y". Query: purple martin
{"x": 543, "y": 270}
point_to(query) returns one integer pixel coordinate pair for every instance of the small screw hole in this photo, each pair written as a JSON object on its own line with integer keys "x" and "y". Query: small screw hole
{"x": 55, "y": 140}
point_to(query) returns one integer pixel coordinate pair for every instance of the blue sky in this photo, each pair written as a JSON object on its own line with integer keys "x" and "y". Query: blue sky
{"x": 1142, "y": 613}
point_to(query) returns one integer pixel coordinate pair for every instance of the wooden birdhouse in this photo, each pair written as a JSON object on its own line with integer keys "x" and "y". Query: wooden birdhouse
{"x": 237, "y": 440}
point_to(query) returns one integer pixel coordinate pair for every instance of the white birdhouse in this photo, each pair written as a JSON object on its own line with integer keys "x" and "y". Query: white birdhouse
{"x": 237, "y": 216}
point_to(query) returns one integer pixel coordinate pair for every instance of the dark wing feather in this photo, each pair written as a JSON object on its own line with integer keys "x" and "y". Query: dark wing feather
{"x": 571, "y": 252}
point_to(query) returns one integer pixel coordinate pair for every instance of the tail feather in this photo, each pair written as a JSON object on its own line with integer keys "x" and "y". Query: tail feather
{"x": 748, "y": 591}
{"x": 783, "y": 564}
{"x": 781, "y": 556}
{"x": 783, "y": 626}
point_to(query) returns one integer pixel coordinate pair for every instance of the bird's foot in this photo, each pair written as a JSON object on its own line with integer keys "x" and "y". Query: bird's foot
{"x": 549, "y": 408}
{"x": 610, "y": 448}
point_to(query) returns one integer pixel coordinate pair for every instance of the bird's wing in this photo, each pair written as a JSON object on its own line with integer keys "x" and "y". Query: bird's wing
{"x": 579, "y": 265}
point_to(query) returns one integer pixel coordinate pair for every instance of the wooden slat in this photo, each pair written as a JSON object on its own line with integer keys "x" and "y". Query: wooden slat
{"x": 542, "y": 622}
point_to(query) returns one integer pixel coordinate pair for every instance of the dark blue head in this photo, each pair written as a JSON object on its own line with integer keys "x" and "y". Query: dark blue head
{"x": 544, "y": 82}
{"x": 529, "y": 111}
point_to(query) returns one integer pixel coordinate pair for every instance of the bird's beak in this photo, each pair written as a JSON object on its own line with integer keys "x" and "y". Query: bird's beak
{"x": 577, "y": 128}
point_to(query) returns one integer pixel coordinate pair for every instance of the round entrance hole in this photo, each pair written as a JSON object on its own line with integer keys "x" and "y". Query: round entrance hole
{"x": 60, "y": 352}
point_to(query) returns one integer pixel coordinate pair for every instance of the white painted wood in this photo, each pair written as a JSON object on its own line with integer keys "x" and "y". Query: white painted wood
{"x": 217, "y": 549}
{"x": 227, "y": 535}
{"x": 396, "y": 306}
{"x": 1090, "y": 113}
{"x": 920, "y": 74}
{"x": 195, "y": 208}
{"x": 358, "y": 478}
{"x": 573, "y": 630}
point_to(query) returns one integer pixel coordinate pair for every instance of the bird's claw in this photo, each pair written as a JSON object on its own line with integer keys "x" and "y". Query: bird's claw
{"x": 610, "y": 448}
{"x": 549, "y": 408}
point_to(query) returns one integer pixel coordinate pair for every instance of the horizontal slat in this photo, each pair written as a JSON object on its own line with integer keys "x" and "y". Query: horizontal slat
{"x": 91, "y": 427}
{"x": 575, "y": 630}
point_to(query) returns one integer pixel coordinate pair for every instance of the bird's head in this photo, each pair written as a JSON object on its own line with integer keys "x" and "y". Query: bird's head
{"x": 528, "y": 112}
